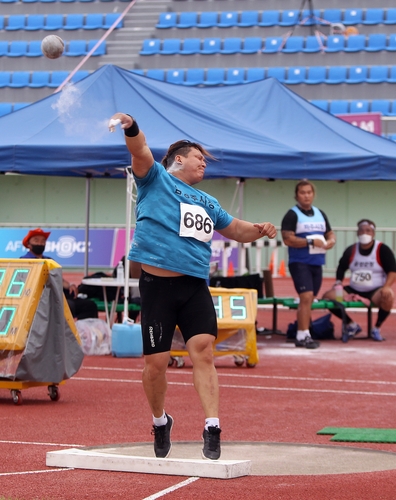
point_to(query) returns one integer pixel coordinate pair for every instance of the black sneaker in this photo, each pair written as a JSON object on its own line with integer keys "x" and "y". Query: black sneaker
{"x": 211, "y": 447}
{"x": 162, "y": 442}
{"x": 308, "y": 343}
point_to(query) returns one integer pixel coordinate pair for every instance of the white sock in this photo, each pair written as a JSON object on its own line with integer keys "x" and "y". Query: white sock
{"x": 161, "y": 420}
{"x": 212, "y": 422}
{"x": 352, "y": 323}
{"x": 301, "y": 334}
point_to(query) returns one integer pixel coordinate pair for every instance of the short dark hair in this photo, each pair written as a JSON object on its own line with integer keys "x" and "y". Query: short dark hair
{"x": 182, "y": 148}
{"x": 367, "y": 221}
{"x": 304, "y": 182}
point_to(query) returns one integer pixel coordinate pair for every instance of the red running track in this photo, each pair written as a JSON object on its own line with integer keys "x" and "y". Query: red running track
{"x": 290, "y": 395}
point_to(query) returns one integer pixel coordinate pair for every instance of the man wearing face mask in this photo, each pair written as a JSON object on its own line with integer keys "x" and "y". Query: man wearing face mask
{"x": 35, "y": 242}
{"x": 373, "y": 270}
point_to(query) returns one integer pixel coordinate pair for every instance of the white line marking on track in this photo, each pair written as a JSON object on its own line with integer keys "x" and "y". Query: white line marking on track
{"x": 33, "y": 472}
{"x": 251, "y": 387}
{"x": 171, "y": 488}
{"x": 41, "y": 444}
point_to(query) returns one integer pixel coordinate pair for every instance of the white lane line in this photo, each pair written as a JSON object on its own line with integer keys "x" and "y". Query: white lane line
{"x": 171, "y": 488}
{"x": 33, "y": 472}
{"x": 252, "y": 376}
{"x": 42, "y": 444}
{"x": 251, "y": 387}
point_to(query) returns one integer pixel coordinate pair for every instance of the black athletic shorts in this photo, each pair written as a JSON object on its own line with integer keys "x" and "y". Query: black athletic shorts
{"x": 306, "y": 278}
{"x": 366, "y": 295}
{"x": 184, "y": 301}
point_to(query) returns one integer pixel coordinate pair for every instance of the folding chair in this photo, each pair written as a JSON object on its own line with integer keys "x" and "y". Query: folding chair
{"x": 272, "y": 44}
{"x": 150, "y": 47}
{"x": 252, "y": 45}
{"x": 17, "y": 48}
{"x": 34, "y": 49}
{"x": 194, "y": 76}
{"x": 376, "y": 42}
{"x": 214, "y": 76}
{"x": 374, "y": 16}
{"x": 170, "y": 46}
{"x": 211, "y": 46}
{"x": 249, "y": 18}
{"x": 34, "y": 22}
{"x": 293, "y": 44}
{"x": 20, "y": 79}
{"x": 191, "y": 46}
{"x": 269, "y": 18}
{"x": 254, "y": 75}
{"x": 53, "y": 22}
{"x": 359, "y": 106}
{"x": 231, "y": 46}
{"x": 175, "y": 76}
{"x": 377, "y": 74}
{"x": 357, "y": 74}
{"x": 316, "y": 75}
{"x": 338, "y": 107}
{"x": 16, "y": 22}
{"x": 187, "y": 20}
{"x": 39, "y": 79}
{"x": 167, "y": 20}
{"x": 234, "y": 76}
{"x": 93, "y": 22}
{"x": 352, "y": 16}
{"x": 228, "y": 20}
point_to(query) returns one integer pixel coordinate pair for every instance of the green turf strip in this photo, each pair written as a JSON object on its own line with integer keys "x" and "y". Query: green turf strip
{"x": 364, "y": 435}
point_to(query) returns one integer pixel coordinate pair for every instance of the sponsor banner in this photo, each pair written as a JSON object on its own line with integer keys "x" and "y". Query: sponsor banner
{"x": 371, "y": 122}
{"x": 119, "y": 246}
{"x": 65, "y": 246}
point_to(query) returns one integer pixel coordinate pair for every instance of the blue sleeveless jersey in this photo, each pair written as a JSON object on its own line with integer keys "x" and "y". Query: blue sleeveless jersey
{"x": 156, "y": 241}
{"x": 307, "y": 226}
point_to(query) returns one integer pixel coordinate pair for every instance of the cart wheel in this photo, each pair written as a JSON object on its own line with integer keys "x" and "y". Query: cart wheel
{"x": 250, "y": 365}
{"x": 179, "y": 362}
{"x": 16, "y": 397}
{"x": 53, "y": 392}
{"x": 238, "y": 360}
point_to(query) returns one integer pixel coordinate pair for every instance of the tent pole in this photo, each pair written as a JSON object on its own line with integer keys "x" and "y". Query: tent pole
{"x": 87, "y": 206}
{"x": 129, "y": 186}
{"x": 241, "y": 250}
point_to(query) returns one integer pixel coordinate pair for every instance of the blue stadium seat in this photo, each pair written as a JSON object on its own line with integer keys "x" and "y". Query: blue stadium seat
{"x": 231, "y": 46}
{"x": 175, "y": 76}
{"x": 307, "y": 20}
{"x": 313, "y": 44}
{"x": 390, "y": 16}
{"x": 110, "y": 19}
{"x": 380, "y": 106}
{"x": 211, "y": 46}
{"x": 99, "y": 51}
{"x": 228, "y": 19}
{"x": 134, "y": 71}
{"x": 377, "y": 74}
{"x": 34, "y": 22}
{"x": 48, "y": 1}
{"x": 167, "y": 20}
{"x": 150, "y": 46}
{"x": 391, "y": 45}
{"x": 321, "y": 103}
{"x": 207, "y": 20}
{"x": 272, "y": 44}
{"x": 278, "y": 73}
{"x": 5, "y": 108}
{"x": 376, "y": 42}
{"x": 187, "y": 20}
{"x": 249, "y": 18}
{"x": 1, "y": 22}
{"x": 20, "y": 79}
{"x": 359, "y": 106}
{"x": 20, "y": 105}
{"x": 194, "y": 76}
{"x": 73, "y": 22}
{"x": 336, "y": 74}
{"x": 9, "y": 1}
{"x": 295, "y": 75}
{"x": 355, "y": 43}
{"x": 289, "y": 17}
{"x": 156, "y": 74}
{"x": 352, "y": 16}
{"x": 338, "y": 107}
{"x": 57, "y": 78}
{"x": 16, "y": 22}
{"x": 93, "y": 21}
{"x": 76, "y": 48}
{"x": 17, "y": 48}
{"x": 374, "y": 16}
{"x": 293, "y": 44}
{"x": 392, "y": 137}
{"x": 39, "y": 79}
{"x": 170, "y": 46}
{"x": 252, "y": 45}
{"x": 5, "y": 78}
{"x": 332, "y": 15}
{"x": 392, "y": 110}
{"x": 392, "y": 75}
{"x": 335, "y": 43}
{"x": 316, "y": 75}
{"x": 34, "y": 49}
{"x": 357, "y": 74}
{"x": 214, "y": 76}
{"x": 82, "y": 73}
{"x": 191, "y": 46}
{"x": 53, "y": 22}
{"x": 3, "y": 48}
{"x": 234, "y": 76}
{"x": 254, "y": 75}
{"x": 269, "y": 18}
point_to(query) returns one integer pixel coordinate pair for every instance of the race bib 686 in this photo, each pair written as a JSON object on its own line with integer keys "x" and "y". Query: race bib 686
{"x": 195, "y": 223}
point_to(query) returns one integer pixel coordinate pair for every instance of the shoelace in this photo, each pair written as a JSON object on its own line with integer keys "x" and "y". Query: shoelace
{"x": 214, "y": 439}
{"x": 159, "y": 433}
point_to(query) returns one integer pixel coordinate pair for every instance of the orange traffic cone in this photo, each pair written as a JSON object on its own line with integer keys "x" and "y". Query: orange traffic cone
{"x": 271, "y": 264}
{"x": 230, "y": 269}
{"x": 282, "y": 269}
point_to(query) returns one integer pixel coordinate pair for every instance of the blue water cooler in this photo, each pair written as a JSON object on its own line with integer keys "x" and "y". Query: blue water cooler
{"x": 126, "y": 340}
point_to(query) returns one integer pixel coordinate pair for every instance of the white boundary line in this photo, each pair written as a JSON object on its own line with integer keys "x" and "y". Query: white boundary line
{"x": 171, "y": 488}
{"x": 42, "y": 444}
{"x": 33, "y": 472}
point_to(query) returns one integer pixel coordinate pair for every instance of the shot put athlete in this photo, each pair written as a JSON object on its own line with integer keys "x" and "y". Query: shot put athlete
{"x": 174, "y": 227}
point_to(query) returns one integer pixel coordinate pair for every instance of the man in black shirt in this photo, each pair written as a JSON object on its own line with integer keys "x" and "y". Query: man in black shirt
{"x": 373, "y": 270}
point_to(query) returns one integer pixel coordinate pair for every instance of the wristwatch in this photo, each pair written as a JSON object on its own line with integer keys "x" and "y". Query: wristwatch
{"x": 310, "y": 242}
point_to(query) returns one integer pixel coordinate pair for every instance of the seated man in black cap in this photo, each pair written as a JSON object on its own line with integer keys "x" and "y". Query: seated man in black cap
{"x": 35, "y": 242}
